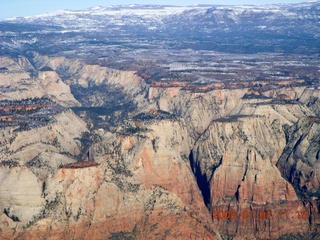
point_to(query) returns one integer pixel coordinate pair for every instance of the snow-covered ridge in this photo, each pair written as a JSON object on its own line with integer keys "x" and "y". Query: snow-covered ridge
{"x": 140, "y": 10}
{"x": 162, "y": 10}
{"x": 155, "y": 16}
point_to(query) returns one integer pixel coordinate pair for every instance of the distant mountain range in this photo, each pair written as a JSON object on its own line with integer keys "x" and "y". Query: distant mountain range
{"x": 290, "y": 28}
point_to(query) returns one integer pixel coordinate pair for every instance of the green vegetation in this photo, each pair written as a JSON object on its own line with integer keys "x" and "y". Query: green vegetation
{"x": 9, "y": 163}
{"x": 106, "y": 105}
{"x": 159, "y": 115}
{"x": 278, "y": 102}
{"x": 120, "y": 169}
{"x": 86, "y": 142}
{"x": 155, "y": 144}
{"x": 300, "y": 236}
{"x": 233, "y": 118}
{"x": 27, "y": 101}
{"x": 255, "y": 96}
{"x": 14, "y": 218}
{"x": 122, "y": 236}
{"x": 47, "y": 209}
{"x": 28, "y": 113}
{"x": 96, "y": 110}
{"x": 133, "y": 130}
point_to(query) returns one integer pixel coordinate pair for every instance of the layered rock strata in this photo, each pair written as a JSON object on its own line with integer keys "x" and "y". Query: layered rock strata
{"x": 181, "y": 163}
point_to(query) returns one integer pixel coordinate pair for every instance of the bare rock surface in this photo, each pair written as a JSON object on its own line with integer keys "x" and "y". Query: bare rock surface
{"x": 138, "y": 160}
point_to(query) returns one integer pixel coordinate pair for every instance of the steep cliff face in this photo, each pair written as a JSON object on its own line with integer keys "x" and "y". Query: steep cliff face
{"x": 142, "y": 188}
{"x": 20, "y": 193}
{"x": 198, "y": 109}
{"x": 29, "y": 158}
{"x": 156, "y": 155}
{"x": 8, "y": 63}
{"x": 77, "y": 73}
{"x": 283, "y": 112}
{"x": 310, "y": 97}
{"x": 299, "y": 161}
{"x": 20, "y": 81}
{"x": 229, "y": 133}
{"x": 60, "y": 136}
{"x": 237, "y": 157}
{"x": 86, "y": 203}
{"x": 160, "y": 158}
{"x": 54, "y": 87}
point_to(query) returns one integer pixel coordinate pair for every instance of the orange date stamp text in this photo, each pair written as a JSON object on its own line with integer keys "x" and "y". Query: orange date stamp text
{"x": 259, "y": 214}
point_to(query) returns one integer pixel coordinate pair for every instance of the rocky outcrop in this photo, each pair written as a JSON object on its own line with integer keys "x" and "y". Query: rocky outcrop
{"x": 28, "y": 160}
{"x": 310, "y": 97}
{"x": 283, "y": 112}
{"x": 182, "y": 162}
{"x": 247, "y": 131}
{"x": 143, "y": 187}
{"x": 60, "y": 136}
{"x": 198, "y": 109}
{"x": 299, "y": 162}
{"x": 19, "y": 82}
{"x": 78, "y": 73}
{"x": 86, "y": 203}
{"x": 20, "y": 193}
{"x": 8, "y": 64}
{"x": 236, "y": 156}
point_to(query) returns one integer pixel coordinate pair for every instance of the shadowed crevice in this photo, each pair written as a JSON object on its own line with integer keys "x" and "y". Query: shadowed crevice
{"x": 202, "y": 180}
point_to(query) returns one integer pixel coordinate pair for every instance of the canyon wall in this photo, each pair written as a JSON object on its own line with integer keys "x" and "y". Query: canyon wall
{"x": 182, "y": 163}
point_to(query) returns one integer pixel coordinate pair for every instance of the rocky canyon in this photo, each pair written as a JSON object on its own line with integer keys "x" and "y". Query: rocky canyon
{"x": 171, "y": 124}
{"x": 176, "y": 166}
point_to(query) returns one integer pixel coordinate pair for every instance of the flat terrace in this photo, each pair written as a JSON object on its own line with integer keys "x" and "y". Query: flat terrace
{"x": 206, "y": 87}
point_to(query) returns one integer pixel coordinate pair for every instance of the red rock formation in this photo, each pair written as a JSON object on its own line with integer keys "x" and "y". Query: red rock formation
{"x": 265, "y": 205}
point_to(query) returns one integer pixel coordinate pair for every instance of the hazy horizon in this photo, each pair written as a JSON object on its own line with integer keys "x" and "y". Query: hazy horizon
{"x": 22, "y": 8}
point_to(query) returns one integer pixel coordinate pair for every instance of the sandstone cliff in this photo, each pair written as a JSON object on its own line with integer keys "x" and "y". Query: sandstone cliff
{"x": 134, "y": 192}
{"x": 20, "y": 82}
